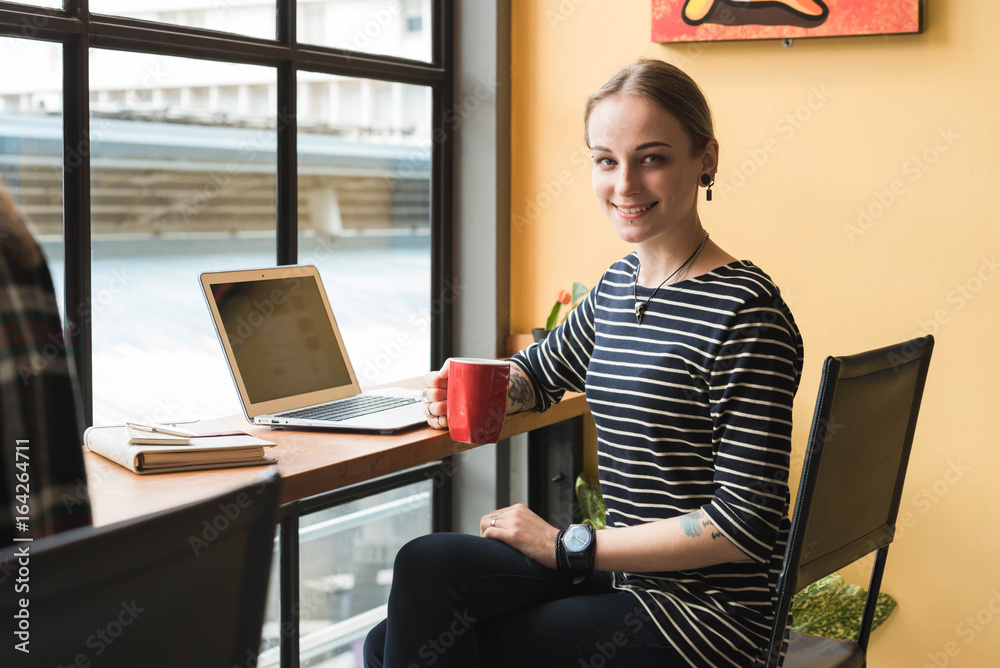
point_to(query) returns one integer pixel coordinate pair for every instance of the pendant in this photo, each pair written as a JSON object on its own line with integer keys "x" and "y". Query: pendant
{"x": 640, "y": 308}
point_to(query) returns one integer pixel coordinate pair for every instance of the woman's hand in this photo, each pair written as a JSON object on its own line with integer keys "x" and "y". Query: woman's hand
{"x": 523, "y": 530}
{"x": 435, "y": 397}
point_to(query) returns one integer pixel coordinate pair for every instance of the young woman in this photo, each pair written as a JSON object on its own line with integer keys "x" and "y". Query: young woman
{"x": 690, "y": 361}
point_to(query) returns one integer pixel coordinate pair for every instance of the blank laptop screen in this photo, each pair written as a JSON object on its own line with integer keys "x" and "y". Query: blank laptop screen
{"x": 281, "y": 337}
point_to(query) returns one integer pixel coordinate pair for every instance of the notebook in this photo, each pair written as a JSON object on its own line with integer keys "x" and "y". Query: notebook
{"x": 287, "y": 357}
{"x": 218, "y": 447}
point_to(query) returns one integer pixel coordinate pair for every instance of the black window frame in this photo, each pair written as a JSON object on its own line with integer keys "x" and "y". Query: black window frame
{"x": 77, "y": 29}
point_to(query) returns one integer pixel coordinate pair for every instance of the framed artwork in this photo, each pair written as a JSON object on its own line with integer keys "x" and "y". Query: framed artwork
{"x": 712, "y": 20}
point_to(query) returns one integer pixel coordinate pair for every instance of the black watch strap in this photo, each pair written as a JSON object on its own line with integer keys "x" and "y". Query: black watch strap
{"x": 578, "y": 561}
{"x": 561, "y": 563}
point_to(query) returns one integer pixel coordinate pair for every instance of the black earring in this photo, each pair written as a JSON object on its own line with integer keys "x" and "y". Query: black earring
{"x": 708, "y": 180}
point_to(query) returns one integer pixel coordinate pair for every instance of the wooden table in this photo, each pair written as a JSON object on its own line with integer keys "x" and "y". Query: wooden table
{"x": 309, "y": 462}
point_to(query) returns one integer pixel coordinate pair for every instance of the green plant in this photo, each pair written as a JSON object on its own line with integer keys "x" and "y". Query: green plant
{"x": 588, "y": 495}
{"x": 565, "y": 298}
{"x": 832, "y": 608}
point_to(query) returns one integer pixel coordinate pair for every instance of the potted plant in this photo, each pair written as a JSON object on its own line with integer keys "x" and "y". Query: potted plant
{"x": 564, "y": 298}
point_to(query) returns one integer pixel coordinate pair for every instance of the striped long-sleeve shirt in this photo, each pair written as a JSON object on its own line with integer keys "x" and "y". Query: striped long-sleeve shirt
{"x": 693, "y": 411}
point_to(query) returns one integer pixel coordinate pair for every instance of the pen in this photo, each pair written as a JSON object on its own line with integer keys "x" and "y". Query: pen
{"x": 161, "y": 429}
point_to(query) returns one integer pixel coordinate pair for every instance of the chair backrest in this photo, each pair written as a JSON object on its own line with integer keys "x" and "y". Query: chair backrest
{"x": 854, "y": 469}
{"x": 184, "y": 587}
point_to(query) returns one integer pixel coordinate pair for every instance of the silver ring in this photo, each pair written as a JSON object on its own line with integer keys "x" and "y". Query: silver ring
{"x": 423, "y": 395}
{"x": 427, "y": 409}
{"x": 437, "y": 421}
{"x": 493, "y": 522}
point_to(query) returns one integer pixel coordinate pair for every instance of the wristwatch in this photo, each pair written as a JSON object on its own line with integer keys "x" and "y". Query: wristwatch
{"x": 579, "y": 546}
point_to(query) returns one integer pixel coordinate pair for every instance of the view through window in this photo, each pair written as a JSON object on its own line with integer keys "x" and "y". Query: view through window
{"x": 185, "y": 177}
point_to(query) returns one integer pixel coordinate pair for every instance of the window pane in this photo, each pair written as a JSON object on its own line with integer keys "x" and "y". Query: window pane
{"x": 183, "y": 180}
{"x": 52, "y": 4}
{"x": 346, "y": 569}
{"x": 364, "y": 216}
{"x": 270, "y": 640}
{"x": 387, "y": 27}
{"x": 246, "y": 17}
{"x": 31, "y": 142}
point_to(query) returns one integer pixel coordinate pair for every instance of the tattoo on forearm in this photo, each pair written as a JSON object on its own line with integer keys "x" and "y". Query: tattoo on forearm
{"x": 520, "y": 394}
{"x": 693, "y": 523}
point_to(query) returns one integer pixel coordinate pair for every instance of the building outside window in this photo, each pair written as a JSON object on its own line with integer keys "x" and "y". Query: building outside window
{"x": 183, "y": 179}
{"x": 184, "y": 176}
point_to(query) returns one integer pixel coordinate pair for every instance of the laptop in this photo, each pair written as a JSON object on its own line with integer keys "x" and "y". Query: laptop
{"x": 287, "y": 357}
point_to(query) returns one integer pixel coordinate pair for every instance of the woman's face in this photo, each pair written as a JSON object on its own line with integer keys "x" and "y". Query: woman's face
{"x": 644, "y": 176}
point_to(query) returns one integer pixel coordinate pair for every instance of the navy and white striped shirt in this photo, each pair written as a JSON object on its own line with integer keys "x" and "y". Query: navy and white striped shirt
{"x": 693, "y": 411}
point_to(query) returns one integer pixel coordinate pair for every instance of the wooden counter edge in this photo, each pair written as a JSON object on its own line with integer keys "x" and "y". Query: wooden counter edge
{"x": 309, "y": 462}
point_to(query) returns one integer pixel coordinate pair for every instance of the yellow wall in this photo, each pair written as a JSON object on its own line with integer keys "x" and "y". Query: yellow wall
{"x": 903, "y": 127}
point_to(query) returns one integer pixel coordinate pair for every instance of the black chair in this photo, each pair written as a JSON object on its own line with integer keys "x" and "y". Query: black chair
{"x": 852, "y": 480}
{"x": 184, "y": 587}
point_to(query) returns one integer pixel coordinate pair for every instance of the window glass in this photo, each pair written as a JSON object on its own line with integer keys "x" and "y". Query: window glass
{"x": 183, "y": 181}
{"x": 31, "y": 142}
{"x": 387, "y": 27}
{"x": 383, "y": 106}
{"x": 346, "y": 557}
{"x": 246, "y": 17}
{"x": 183, "y": 164}
{"x": 270, "y": 641}
{"x": 349, "y": 109}
{"x": 364, "y": 218}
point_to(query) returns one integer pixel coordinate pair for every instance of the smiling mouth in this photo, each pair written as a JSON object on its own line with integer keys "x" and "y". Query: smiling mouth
{"x": 632, "y": 210}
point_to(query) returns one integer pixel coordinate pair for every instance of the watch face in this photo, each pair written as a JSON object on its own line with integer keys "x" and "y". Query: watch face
{"x": 576, "y": 538}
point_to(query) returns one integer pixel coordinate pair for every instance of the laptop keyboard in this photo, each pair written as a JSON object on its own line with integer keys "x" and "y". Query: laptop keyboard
{"x": 361, "y": 404}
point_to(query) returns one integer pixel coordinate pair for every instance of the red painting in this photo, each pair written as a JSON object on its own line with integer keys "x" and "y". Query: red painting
{"x": 709, "y": 20}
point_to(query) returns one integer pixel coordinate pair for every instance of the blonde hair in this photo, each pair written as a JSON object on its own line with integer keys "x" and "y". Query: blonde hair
{"x": 666, "y": 86}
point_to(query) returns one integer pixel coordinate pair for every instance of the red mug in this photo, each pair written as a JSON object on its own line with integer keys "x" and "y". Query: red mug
{"x": 477, "y": 399}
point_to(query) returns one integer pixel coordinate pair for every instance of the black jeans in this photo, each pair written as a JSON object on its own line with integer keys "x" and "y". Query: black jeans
{"x": 461, "y": 601}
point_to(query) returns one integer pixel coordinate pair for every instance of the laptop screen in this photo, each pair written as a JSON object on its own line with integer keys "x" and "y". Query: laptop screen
{"x": 281, "y": 336}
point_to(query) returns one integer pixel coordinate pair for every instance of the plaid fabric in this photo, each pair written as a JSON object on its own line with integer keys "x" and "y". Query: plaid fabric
{"x": 41, "y": 455}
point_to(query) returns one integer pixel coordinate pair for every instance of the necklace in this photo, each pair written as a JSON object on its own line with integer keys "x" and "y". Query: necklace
{"x": 640, "y": 307}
